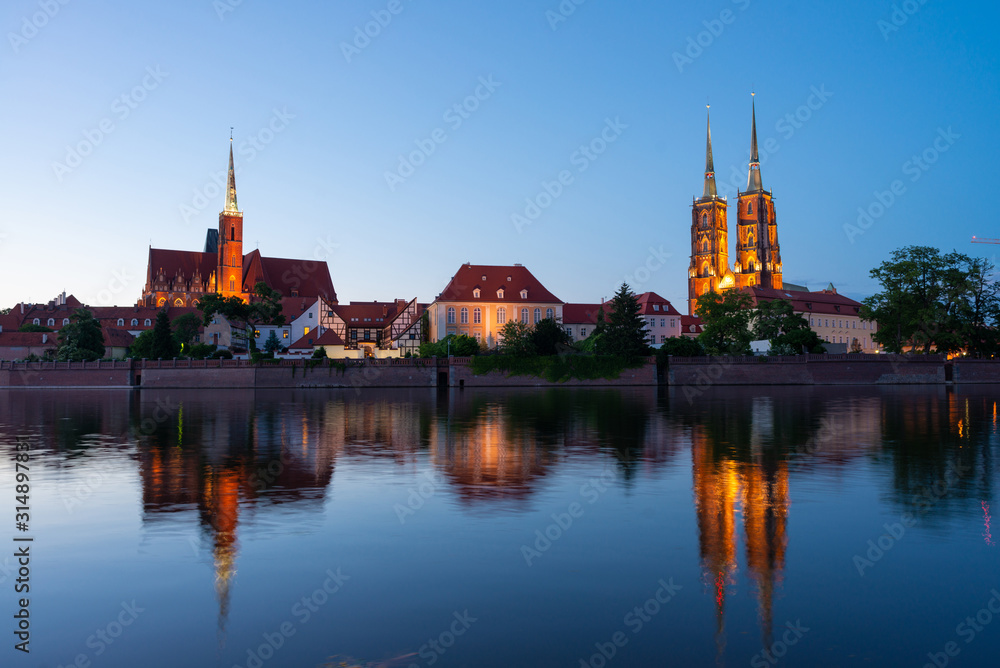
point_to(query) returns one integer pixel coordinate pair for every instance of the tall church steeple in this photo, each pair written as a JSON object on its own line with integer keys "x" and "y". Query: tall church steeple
{"x": 709, "y": 268}
{"x": 229, "y": 282}
{"x": 710, "y": 190}
{"x": 753, "y": 178}
{"x": 231, "y": 182}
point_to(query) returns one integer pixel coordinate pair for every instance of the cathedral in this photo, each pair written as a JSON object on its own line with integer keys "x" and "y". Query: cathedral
{"x": 758, "y": 256}
{"x": 182, "y": 278}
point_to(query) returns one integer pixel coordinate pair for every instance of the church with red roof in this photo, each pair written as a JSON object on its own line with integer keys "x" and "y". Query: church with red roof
{"x": 182, "y": 278}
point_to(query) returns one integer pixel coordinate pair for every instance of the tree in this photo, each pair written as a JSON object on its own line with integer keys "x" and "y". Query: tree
{"x": 459, "y": 345}
{"x": 548, "y": 337}
{"x": 186, "y": 329}
{"x": 264, "y": 308}
{"x": 272, "y": 345}
{"x": 31, "y": 327}
{"x": 682, "y": 346}
{"x": 163, "y": 346}
{"x": 81, "y": 339}
{"x": 142, "y": 347}
{"x": 788, "y": 332}
{"x": 515, "y": 339}
{"x": 726, "y": 319}
{"x": 933, "y": 301}
{"x": 624, "y": 334}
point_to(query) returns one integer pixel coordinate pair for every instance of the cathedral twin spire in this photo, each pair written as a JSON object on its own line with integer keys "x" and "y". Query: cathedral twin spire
{"x": 753, "y": 177}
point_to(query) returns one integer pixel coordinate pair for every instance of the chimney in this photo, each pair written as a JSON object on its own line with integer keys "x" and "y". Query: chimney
{"x": 22, "y": 308}
{"x": 385, "y": 310}
{"x": 45, "y": 337}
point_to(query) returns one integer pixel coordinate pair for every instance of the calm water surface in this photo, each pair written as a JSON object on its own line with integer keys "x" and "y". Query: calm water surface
{"x": 739, "y": 527}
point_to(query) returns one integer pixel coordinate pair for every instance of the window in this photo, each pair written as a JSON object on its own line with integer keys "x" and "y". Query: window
{"x": 284, "y": 334}
{"x": 583, "y": 332}
{"x": 232, "y": 283}
{"x": 178, "y": 302}
{"x": 811, "y": 323}
{"x": 475, "y": 293}
{"x": 121, "y": 322}
{"x": 135, "y": 322}
{"x": 656, "y": 307}
{"x": 65, "y": 321}
{"x": 451, "y": 315}
{"x": 673, "y": 322}
{"x": 749, "y": 207}
{"x": 52, "y": 322}
{"x": 500, "y": 293}
{"x": 477, "y": 335}
{"x": 147, "y": 322}
{"x": 550, "y": 314}
{"x": 569, "y": 332}
{"x": 501, "y": 315}
{"x": 538, "y": 315}
{"x": 234, "y": 262}
{"x": 854, "y": 324}
{"x": 310, "y": 315}
{"x": 477, "y": 315}
{"x": 826, "y": 323}
{"x": 256, "y": 333}
{"x": 524, "y": 294}
{"x": 704, "y": 246}
{"x": 306, "y": 331}
{"x": 704, "y": 220}
{"x": 159, "y": 302}
{"x": 663, "y": 322}
{"x": 663, "y": 338}
{"x": 524, "y": 316}
{"x": 465, "y": 316}
{"x": 232, "y": 234}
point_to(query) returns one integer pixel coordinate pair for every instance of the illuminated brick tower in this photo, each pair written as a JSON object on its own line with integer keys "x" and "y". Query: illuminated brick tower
{"x": 230, "y": 272}
{"x": 758, "y": 256}
{"x": 709, "y": 269}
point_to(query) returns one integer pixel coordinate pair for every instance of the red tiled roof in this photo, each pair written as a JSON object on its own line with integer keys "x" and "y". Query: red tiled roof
{"x": 582, "y": 314}
{"x": 368, "y": 314}
{"x": 648, "y": 299}
{"x": 117, "y": 338}
{"x": 9, "y": 323}
{"x": 689, "y": 321}
{"x": 807, "y": 302}
{"x": 329, "y": 338}
{"x": 26, "y": 339}
{"x": 108, "y": 316}
{"x": 489, "y": 279}
{"x": 293, "y": 307}
{"x": 188, "y": 262}
{"x": 309, "y": 278}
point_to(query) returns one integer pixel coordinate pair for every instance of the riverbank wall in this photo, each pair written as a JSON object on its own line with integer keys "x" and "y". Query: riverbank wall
{"x": 847, "y": 369}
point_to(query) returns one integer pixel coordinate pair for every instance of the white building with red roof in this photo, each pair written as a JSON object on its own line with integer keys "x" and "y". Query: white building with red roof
{"x": 480, "y": 299}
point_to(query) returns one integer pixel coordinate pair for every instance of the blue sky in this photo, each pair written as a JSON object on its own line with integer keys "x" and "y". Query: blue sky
{"x": 148, "y": 91}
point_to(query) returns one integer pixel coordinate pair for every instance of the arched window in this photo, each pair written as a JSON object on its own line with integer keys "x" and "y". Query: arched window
{"x": 36, "y": 321}
{"x": 52, "y": 322}
{"x": 550, "y": 314}
{"x": 232, "y": 233}
{"x": 465, "y": 316}
{"x": 178, "y": 302}
{"x": 704, "y": 220}
{"x": 524, "y": 316}
{"x": 232, "y": 283}
{"x": 65, "y": 321}
{"x": 451, "y": 315}
{"x": 750, "y": 240}
{"x": 749, "y": 207}
{"x": 477, "y": 315}
{"x": 234, "y": 261}
{"x": 704, "y": 246}
{"x": 121, "y": 322}
{"x": 146, "y": 322}
{"x": 500, "y": 293}
{"x": 135, "y": 321}
{"x": 501, "y": 315}
{"x": 161, "y": 301}
{"x": 538, "y": 315}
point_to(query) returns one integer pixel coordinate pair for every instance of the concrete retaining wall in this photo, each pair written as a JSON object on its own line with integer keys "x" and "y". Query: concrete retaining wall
{"x": 809, "y": 370}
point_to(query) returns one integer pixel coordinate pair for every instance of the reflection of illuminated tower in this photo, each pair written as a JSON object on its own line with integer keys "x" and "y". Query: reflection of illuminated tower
{"x": 765, "y": 515}
{"x": 715, "y": 491}
{"x": 222, "y": 505}
{"x": 761, "y": 488}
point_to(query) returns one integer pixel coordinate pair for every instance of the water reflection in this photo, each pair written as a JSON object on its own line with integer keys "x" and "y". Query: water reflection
{"x": 217, "y": 461}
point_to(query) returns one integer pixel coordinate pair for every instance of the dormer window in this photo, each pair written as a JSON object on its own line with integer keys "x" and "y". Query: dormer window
{"x": 484, "y": 277}
{"x": 121, "y": 322}
{"x": 809, "y": 305}
{"x": 146, "y": 322}
{"x": 656, "y": 307}
{"x": 135, "y": 321}
{"x": 508, "y": 279}
{"x": 476, "y": 293}
{"x": 500, "y": 293}
{"x": 524, "y": 294}
{"x": 52, "y": 322}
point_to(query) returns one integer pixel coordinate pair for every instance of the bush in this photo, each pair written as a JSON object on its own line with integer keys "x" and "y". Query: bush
{"x": 221, "y": 355}
{"x": 319, "y": 353}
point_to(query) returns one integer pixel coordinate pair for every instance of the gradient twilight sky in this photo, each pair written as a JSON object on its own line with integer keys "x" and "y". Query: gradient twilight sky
{"x": 317, "y": 187}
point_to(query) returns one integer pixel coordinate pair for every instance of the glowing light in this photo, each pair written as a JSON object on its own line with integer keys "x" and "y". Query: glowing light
{"x": 987, "y": 535}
